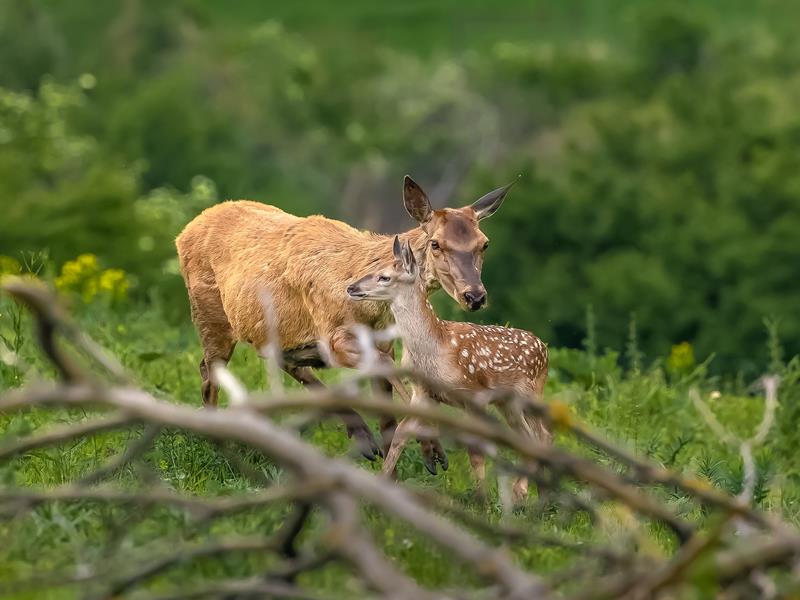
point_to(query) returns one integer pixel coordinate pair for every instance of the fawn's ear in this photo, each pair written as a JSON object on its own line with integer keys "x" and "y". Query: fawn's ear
{"x": 416, "y": 202}
{"x": 397, "y": 250}
{"x": 409, "y": 262}
{"x": 487, "y": 205}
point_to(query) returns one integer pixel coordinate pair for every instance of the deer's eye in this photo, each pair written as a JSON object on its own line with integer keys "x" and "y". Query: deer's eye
{"x": 434, "y": 244}
{"x": 384, "y": 278}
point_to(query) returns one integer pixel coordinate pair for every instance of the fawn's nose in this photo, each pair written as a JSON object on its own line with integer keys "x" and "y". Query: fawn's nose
{"x": 355, "y": 292}
{"x": 475, "y": 298}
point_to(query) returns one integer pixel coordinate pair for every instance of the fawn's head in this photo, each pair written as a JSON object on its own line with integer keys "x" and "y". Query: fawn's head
{"x": 454, "y": 242}
{"x": 392, "y": 280}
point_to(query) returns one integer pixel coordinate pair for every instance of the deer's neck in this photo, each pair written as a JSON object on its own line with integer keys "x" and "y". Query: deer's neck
{"x": 419, "y": 327}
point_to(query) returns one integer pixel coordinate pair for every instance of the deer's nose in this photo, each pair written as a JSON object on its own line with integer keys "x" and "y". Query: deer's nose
{"x": 475, "y": 298}
{"x": 351, "y": 289}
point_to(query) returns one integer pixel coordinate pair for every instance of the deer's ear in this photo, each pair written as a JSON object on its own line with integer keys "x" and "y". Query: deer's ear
{"x": 397, "y": 250}
{"x": 416, "y": 202}
{"x": 487, "y": 205}
{"x": 409, "y": 262}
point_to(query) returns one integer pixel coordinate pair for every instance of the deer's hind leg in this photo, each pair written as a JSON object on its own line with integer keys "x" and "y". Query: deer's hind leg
{"x": 216, "y": 336}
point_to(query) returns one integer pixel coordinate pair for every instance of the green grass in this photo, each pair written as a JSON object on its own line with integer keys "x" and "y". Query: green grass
{"x": 648, "y": 411}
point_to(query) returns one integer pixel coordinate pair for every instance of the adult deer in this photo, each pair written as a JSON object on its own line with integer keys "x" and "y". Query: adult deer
{"x": 235, "y": 252}
{"x": 462, "y": 356}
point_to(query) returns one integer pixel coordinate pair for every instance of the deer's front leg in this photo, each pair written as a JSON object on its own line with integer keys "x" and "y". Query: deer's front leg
{"x": 354, "y": 423}
{"x": 345, "y": 351}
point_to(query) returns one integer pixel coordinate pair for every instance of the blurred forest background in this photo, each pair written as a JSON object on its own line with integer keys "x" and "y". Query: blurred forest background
{"x": 658, "y": 145}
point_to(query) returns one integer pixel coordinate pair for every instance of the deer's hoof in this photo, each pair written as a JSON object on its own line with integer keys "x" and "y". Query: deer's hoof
{"x": 433, "y": 454}
{"x": 442, "y": 458}
{"x": 430, "y": 463}
{"x": 366, "y": 443}
{"x": 439, "y": 455}
{"x": 432, "y": 459}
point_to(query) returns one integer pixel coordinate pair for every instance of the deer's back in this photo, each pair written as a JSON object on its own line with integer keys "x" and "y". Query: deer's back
{"x": 494, "y": 357}
{"x": 243, "y": 249}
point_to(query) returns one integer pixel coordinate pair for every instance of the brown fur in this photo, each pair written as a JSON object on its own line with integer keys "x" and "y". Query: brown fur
{"x": 233, "y": 252}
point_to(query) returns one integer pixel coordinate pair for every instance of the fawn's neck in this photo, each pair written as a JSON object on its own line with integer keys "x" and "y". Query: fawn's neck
{"x": 419, "y": 327}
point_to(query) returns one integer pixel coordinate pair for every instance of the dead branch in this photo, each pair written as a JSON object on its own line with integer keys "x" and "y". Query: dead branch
{"x": 64, "y": 433}
{"x": 338, "y": 490}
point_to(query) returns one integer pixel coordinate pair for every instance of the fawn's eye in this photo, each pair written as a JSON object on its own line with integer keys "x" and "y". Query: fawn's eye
{"x": 434, "y": 244}
{"x": 384, "y": 278}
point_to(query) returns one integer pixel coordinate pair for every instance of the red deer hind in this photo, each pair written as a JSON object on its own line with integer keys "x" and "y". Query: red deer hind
{"x": 463, "y": 356}
{"x": 234, "y": 252}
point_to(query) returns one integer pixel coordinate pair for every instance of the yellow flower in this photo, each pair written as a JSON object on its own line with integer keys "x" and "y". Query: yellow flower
{"x": 9, "y": 266}
{"x": 87, "y": 262}
{"x": 681, "y": 358}
{"x": 83, "y": 276}
{"x": 114, "y": 283}
{"x": 89, "y": 291}
{"x": 560, "y": 413}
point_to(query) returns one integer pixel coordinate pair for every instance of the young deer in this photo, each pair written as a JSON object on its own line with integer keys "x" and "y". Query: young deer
{"x": 235, "y": 252}
{"x": 463, "y": 356}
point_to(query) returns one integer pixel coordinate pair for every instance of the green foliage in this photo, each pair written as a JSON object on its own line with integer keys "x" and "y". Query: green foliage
{"x": 656, "y": 146}
{"x": 59, "y": 189}
{"x": 672, "y": 196}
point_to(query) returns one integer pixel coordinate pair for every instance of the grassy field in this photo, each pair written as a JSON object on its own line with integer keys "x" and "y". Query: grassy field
{"x": 649, "y": 410}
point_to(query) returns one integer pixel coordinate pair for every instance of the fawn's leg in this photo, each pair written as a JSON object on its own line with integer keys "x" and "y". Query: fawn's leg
{"x": 410, "y": 426}
{"x": 355, "y": 425}
{"x": 346, "y": 352}
{"x": 431, "y": 448}
{"x": 386, "y": 423}
{"x": 478, "y": 463}
{"x": 532, "y": 428}
{"x": 404, "y": 429}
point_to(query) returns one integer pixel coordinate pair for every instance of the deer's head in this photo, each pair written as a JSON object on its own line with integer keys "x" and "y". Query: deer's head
{"x": 452, "y": 255}
{"x": 390, "y": 281}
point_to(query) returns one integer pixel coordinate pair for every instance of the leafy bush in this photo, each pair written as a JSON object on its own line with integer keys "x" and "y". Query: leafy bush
{"x": 673, "y": 198}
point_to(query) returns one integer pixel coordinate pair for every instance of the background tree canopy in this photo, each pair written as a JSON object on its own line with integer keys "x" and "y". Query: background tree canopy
{"x": 658, "y": 145}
